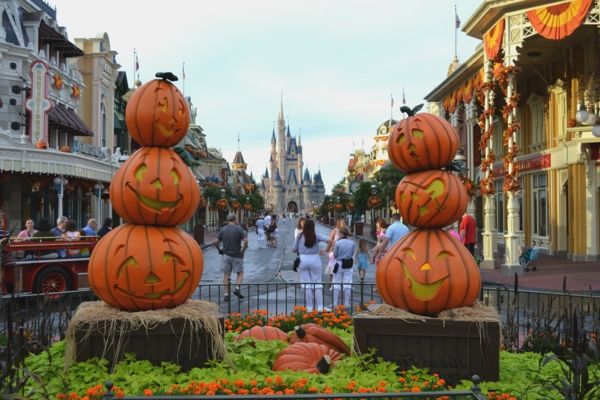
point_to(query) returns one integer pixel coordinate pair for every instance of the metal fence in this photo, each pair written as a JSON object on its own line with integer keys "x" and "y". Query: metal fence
{"x": 46, "y": 316}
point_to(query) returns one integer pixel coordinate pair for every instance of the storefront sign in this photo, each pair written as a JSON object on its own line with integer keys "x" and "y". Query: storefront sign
{"x": 38, "y": 103}
{"x": 527, "y": 164}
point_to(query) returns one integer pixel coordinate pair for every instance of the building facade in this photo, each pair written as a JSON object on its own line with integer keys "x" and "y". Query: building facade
{"x": 526, "y": 107}
{"x": 286, "y": 185}
{"x": 50, "y": 163}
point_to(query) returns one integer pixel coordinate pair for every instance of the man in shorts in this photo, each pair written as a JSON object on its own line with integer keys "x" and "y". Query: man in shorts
{"x": 232, "y": 242}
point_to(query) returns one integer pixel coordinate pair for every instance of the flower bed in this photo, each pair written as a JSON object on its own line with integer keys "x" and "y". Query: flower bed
{"x": 247, "y": 370}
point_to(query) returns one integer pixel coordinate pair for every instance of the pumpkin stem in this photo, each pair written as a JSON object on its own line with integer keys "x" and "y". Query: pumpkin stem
{"x": 300, "y": 331}
{"x": 167, "y": 76}
{"x": 323, "y": 364}
{"x": 411, "y": 112}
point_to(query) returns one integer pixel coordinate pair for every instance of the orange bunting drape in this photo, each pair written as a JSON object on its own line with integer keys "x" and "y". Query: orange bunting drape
{"x": 559, "y": 21}
{"x": 492, "y": 40}
{"x": 463, "y": 93}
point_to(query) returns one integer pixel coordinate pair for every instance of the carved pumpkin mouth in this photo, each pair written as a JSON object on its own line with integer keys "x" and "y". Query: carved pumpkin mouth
{"x": 155, "y": 204}
{"x": 163, "y": 130}
{"x": 422, "y": 291}
{"x": 156, "y": 295}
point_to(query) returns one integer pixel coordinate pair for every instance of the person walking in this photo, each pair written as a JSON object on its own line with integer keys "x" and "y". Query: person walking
{"x": 299, "y": 227}
{"x": 393, "y": 233}
{"x": 381, "y": 247}
{"x": 334, "y": 236}
{"x": 90, "y": 228}
{"x": 232, "y": 242}
{"x": 106, "y": 227}
{"x": 310, "y": 268}
{"x": 260, "y": 232}
{"x": 343, "y": 251}
{"x": 267, "y": 228}
{"x": 467, "y": 232}
{"x": 362, "y": 259}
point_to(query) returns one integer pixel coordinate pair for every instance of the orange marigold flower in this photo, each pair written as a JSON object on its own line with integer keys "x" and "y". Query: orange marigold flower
{"x": 313, "y": 389}
{"x": 278, "y": 380}
{"x": 441, "y": 382}
{"x": 148, "y": 392}
{"x": 289, "y": 391}
{"x": 243, "y": 391}
{"x": 85, "y": 398}
{"x": 61, "y": 396}
{"x": 253, "y": 382}
{"x": 239, "y": 383}
{"x": 415, "y": 389}
{"x": 327, "y": 389}
{"x": 402, "y": 380}
{"x": 210, "y": 393}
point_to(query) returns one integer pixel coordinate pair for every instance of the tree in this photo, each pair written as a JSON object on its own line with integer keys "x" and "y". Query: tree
{"x": 387, "y": 179}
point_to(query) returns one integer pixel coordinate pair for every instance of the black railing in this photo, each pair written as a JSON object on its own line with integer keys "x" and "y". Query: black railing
{"x": 46, "y": 316}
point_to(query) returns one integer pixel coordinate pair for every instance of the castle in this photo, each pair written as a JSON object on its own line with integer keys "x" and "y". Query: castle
{"x": 284, "y": 187}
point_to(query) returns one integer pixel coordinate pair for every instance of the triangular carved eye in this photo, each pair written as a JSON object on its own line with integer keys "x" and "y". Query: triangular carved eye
{"x": 401, "y": 138}
{"x": 410, "y": 252}
{"x": 163, "y": 105}
{"x": 443, "y": 254}
{"x": 130, "y": 262}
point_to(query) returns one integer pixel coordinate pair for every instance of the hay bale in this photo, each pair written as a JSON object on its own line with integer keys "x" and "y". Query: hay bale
{"x": 193, "y": 328}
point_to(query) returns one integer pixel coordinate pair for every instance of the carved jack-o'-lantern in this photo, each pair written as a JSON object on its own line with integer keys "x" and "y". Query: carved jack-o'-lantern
{"x": 422, "y": 141}
{"x": 142, "y": 267}
{"x": 431, "y": 199}
{"x": 428, "y": 271}
{"x": 157, "y": 114}
{"x": 154, "y": 186}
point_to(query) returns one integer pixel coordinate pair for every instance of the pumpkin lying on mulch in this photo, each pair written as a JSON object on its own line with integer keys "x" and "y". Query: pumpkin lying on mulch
{"x": 263, "y": 333}
{"x": 313, "y": 333}
{"x": 309, "y": 357}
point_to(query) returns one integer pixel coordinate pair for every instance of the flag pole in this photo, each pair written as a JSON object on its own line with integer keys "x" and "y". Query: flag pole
{"x": 456, "y": 26}
{"x": 391, "y": 109}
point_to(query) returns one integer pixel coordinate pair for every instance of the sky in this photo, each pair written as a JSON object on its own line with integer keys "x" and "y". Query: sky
{"x": 335, "y": 64}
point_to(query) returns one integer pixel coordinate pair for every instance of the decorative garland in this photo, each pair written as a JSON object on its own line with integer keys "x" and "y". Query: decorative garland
{"x": 486, "y": 184}
{"x": 511, "y": 180}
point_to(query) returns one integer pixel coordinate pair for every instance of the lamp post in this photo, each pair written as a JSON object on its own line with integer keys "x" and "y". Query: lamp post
{"x": 59, "y": 187}
{"x": 98, "y": 187}
{"x": 373, "y": 192}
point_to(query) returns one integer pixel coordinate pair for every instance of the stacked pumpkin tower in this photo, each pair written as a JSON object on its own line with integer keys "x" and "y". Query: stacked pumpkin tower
{"x": 427, "y": 271}
{"x": 149, "y": 263}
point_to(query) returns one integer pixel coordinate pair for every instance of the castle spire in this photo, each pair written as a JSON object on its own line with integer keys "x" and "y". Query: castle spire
{"x": 281, "y": 109}
{"x": 300, "y": 137}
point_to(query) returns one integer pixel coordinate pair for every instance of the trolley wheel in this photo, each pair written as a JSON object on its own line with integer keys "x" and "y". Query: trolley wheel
{"x": 52, "y": 280}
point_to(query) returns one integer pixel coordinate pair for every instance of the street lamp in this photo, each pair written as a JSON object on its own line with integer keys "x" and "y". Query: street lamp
{"x": 374, "y": 193}
{"x": 98, "y": 187}
{"x": 59, "y": 187}
{"x": 337, "y": 201}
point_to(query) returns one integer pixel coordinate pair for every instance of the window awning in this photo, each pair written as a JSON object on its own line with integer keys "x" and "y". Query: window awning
{"x": 48, "y": 35}
{"x": 66, "y": 118}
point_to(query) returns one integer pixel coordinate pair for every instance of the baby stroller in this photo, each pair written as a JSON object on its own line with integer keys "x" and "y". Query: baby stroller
{"x": 528, "y": 256}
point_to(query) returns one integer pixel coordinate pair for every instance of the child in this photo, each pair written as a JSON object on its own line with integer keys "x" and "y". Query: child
{"x": 362, "y": 259}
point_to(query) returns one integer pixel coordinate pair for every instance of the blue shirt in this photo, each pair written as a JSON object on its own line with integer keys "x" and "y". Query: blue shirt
{"x": 344, "y": 249}
{"x": 89, "y": 231}
{"x": 395, "y": 232}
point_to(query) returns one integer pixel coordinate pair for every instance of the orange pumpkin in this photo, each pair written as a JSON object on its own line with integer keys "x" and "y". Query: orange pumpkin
{"x": 431, "y": 199}
{"x": 157, "y": 114}
{"x": 264, "y": 333}
{"x": 313, "y": 333}
{"x": 144, "y": 267}
{"x": 313, "y": 358}
{"x": 154, "y": 186}
{"x": 427, "y": 272}
{"x": 422, "y": 141}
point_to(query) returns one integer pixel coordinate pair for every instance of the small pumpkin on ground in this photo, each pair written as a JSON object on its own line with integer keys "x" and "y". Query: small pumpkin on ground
{"x": 264, "y": 333}
{"x": 313, "y": 333}
{"x": 313, "y": 358}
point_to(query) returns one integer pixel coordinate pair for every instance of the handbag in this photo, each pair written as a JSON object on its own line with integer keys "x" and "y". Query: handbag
{"x": 347, "y": 263}
{"x": 296, "y": 264}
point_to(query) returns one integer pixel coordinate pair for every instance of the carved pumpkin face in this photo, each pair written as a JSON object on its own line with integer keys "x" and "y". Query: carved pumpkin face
{"x": 142, "y": 267}
{"x": 157, "y": 114}
{"x": 154, "y": 186}
{"x": 423, "y": 141}
{"x": 428, "y": 271}
{"x": 431, "y": 199}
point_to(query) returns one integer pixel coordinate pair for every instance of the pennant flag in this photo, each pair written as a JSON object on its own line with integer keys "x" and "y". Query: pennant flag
{"x": 391, "y": 100}
{"x": 403, "y": 97}
{"x": 183, "y": 71}
{"x": 456, "y": 19}
{"x": 137, "y": 64}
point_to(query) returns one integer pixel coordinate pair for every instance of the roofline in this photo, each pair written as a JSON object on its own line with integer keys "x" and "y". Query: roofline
{"x": 490, "y": 11}
{"x": 461, "y": 74}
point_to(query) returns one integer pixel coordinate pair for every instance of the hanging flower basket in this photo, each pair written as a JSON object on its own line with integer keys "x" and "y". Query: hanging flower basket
{"x": 350, "y": 206}
{"x": 235, "y": 205}
{"x": 65, "y": 149}
{"x": 247, "y": 206}
{"x": 222, "y": 204}
{"x": 374, "y": 201}
{"x": 41, "y": 144}
{"x": 339, "y": 206}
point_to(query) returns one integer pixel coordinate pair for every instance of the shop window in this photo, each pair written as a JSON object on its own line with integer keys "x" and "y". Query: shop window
{"x": 103, "y": 123}
{"x": 499, "y": 205}
{"x": 497, "y": 143}
{"x": 539, "y": 202}
{"x": 536, "y": 108}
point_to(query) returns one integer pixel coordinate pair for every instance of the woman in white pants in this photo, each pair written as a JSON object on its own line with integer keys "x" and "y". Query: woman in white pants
{"x": 343, "y": 251}
{"x": 310, "y": 268}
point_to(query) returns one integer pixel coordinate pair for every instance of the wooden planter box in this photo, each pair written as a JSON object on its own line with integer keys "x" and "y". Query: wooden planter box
{"x": 454, "y": 349}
